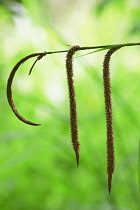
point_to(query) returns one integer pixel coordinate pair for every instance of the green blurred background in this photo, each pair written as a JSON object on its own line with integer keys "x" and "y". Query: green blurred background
{"x": 37, "y": 164}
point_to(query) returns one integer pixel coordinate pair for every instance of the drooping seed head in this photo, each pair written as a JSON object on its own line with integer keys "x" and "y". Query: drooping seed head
{"x": 72, "y": 101}
{"x": 108, "y": 109}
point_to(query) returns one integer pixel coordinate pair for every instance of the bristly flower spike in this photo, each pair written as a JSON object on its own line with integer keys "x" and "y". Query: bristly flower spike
{"x": 10, "y": 80}
{"x": 108, "y": 109}
{"x": 72, "y": 100}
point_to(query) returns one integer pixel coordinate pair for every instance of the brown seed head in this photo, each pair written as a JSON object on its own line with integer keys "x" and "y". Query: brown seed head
{"x": 108, "y": 109}
{"x": 73, "y": 112}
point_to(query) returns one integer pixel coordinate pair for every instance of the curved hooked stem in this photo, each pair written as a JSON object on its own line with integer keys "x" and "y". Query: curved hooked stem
{"x": 10, "y": 80}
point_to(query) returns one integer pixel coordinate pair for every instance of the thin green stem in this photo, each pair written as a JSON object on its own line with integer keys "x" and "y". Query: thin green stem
{"x": 98, "y": 47}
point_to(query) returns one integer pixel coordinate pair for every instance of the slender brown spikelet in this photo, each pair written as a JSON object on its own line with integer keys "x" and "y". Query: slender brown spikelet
{"x": 108, "y": 109}
{"x": 10, "y": 80}
{"x": 73, "y": 113}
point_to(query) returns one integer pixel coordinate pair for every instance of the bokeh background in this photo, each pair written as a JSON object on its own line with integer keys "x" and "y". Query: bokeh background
{"x": 37, "y": 164}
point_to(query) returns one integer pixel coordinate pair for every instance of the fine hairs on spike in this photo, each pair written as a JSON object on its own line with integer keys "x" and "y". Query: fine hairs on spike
{"x": 108, "y": 109}
{"x": 72, "y": 101}
{"x": 10, "y": 80}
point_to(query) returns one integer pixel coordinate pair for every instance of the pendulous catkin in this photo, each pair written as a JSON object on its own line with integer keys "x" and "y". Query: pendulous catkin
{"x": 108, "y": 109}
{"x": 72, "y": 101}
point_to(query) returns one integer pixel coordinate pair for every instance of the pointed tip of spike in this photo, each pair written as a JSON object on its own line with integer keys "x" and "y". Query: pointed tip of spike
{"x": 77, "y": 161}
{"x": 38, "y": 124}
{"x": 77, "y": 158}
{"x": 109, "y": 182}
{"x": 109, "y": 190}
{"x": 76, "y": 150}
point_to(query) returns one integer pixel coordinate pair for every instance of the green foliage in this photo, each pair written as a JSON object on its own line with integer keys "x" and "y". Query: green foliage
{"x": 38, "y": 169}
